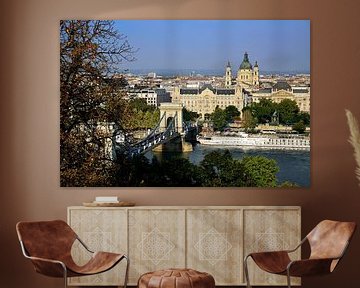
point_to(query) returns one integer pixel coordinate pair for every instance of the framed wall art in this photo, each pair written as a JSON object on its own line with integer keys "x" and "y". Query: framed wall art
{"x": 185, "y": 103}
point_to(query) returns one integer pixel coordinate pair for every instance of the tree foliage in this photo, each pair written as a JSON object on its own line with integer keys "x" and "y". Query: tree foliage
{"x": 189, "y": 115}
{"x": 263, "y": 110}
{"x": 219, "y": 119}
{"x": 91, "y": 99}
{"x": 259, "y": 171}
{"x": 144, "y": 116}
{"x": 305, "y": 117}
{"x": 249, "y": 121}
{"x": 139, "y": 104}
{"x": 217, "y": 169}
{"x": 299, "y": 127}
{"x": 220, "y": 170}
{"x": 288, "y": 111}
{"x": 231, "y": 112}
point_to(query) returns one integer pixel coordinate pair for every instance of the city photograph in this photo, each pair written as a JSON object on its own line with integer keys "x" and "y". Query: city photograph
{"x": 185, "y": 103}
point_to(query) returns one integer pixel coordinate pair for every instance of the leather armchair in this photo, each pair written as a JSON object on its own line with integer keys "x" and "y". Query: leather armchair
{"x": 48, "y": 245}
{"x": 328, "y": 242}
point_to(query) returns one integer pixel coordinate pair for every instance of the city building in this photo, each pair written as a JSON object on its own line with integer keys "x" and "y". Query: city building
{"x": 205, "y": 99}
{"x": 247, "y": 75}
{"x": 282, "y": 90}
{"x": 204, "y": 95}
{"x": 152, "y": 96}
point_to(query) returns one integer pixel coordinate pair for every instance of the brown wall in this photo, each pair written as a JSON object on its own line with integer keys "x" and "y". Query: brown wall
{"x": 29, "y": 111}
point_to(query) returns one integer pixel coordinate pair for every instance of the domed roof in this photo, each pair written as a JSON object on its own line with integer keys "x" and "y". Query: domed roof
{"x": 245, "y": 64}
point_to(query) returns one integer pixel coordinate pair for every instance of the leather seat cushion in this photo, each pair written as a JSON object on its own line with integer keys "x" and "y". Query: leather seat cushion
{"x": 176, "y": 278}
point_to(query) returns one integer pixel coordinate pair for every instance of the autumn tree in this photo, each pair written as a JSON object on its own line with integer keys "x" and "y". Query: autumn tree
{"x": 92, "y": 101}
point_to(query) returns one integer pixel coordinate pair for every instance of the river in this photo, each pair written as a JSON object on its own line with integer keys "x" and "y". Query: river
{"x": 294, "y": 165}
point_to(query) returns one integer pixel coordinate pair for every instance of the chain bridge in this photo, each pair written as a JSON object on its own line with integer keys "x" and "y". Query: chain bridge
{"x": 170, "y": 128}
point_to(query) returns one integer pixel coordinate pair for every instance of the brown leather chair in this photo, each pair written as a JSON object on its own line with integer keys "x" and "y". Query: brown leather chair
{"x": 48, "y": 245}
{"x": 328, "y": 242}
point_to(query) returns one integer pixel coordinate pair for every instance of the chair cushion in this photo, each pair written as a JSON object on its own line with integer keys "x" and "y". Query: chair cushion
{"x": 176, "y": 278}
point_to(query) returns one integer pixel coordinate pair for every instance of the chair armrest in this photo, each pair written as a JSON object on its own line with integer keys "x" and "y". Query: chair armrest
{"x": 281, "y": 251}
{"x": 268, "y": 253}
{"x": 84, "y": 245}
{"x": 298, "y": 246}
{"x": 46, "y": 260}
{"x": 49, "y": 267}
{"x": 309, "y": 267}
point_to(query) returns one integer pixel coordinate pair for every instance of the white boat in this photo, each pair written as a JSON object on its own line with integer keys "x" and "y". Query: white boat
{"x": 245, "y": 141}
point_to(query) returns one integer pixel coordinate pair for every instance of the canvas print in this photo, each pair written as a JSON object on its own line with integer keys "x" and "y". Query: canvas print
{"x": 185, "y": 103}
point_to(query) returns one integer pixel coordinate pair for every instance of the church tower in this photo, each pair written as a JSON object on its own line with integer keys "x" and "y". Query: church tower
{"x": 256, "y": 74}
{"x": 245, "y": 72}
{"x": 228, "y": 75}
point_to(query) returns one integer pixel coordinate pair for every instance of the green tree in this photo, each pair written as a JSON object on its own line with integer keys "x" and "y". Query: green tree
{"x": 259, "y": 171}
{"x": 231, "y": 112}
{"x": 299, "y": 127}
{"x": 219, "y": 169}
{"x": 140, "y": 104}
{"x": 179, "y": 172}
{"x": 219, "y": 119}
{"x": 90, "y": 52}
{"x": 249, "y": 121}
{"x": 144, "y": 116}
{"x": 263, "y": 110}
{"x": 133, "y": 172}
{"x": 288, "y": 111}
{"x": 189, "y": 115}
{"x": 305, "y": 117}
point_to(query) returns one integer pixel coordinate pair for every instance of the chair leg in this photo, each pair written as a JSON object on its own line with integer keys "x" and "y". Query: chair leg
{"x": 126, "y": 271}
{"x": 246, "y": 270}
{"x": 288, "y": 278}
{"x": 65, "y": 276}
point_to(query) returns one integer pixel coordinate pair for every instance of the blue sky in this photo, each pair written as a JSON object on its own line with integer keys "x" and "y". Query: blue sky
{"x": 277, "y": 45}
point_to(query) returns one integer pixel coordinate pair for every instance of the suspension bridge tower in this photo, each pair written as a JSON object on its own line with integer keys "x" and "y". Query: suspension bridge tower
{"x": 172, "y": 113}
